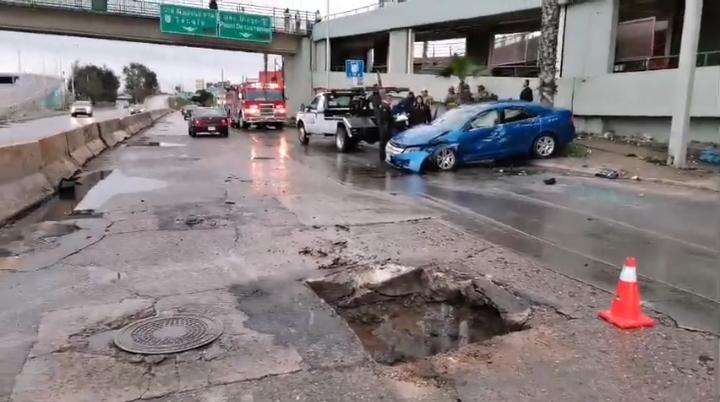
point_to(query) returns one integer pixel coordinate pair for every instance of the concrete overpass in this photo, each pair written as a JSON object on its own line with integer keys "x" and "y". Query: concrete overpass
{"x": 137, "y": 21}
{"x": 128, "y": 26}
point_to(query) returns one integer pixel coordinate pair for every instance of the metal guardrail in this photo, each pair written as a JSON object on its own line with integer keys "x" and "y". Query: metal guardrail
{"x": 295, "y": 22}
{"x": 704, "y": 59}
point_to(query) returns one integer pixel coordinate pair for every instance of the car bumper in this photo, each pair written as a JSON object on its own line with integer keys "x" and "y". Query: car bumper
{"x": 265, "y": 119}
{"x": 412, "y": 161}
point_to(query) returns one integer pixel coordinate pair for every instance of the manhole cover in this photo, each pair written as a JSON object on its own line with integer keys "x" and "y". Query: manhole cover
{"x": 160, "y": 335}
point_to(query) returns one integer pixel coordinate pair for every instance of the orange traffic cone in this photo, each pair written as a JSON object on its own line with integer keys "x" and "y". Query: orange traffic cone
{"x": 625, "y": 311}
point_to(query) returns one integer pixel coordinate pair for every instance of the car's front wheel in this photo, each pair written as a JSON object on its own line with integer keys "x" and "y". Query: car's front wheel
{"x": 303, "y": 136}
{"x": 446, "y": 159}
{"x": 544, "y": 146}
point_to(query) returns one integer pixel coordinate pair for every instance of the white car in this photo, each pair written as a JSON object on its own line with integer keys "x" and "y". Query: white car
{"x": 81, "y": 107}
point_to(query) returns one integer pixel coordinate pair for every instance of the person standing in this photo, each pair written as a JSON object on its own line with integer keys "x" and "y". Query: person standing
{"x": 526, "y": 94}
{"x": 451, "y": 99}
{"x": 298, "y": 22}
{"x": 286, "y": 17}
{"x": 420, "y": 113}
{"x": 427, "y": 98}
{"x": 483, "y": 95}
{"x": 213, "y": 5}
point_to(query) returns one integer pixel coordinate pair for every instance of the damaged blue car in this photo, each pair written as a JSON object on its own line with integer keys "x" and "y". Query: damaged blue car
{"x": 482, "y": 132}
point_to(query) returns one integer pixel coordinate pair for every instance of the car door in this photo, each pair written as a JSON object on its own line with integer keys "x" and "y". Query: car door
{"x": 521, "y": 126}
{"x": 310, "y": 114}
{"x": 482, "y": 137}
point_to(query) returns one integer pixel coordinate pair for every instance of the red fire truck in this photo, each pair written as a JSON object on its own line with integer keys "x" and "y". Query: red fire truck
{"x": 259, "y": 103}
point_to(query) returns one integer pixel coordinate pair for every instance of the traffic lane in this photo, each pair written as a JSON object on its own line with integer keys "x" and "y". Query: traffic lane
{"x": 584, "y": 237}
{"x": 33, "y": 130}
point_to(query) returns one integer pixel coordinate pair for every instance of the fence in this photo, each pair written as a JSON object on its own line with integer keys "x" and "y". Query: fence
{"x": 704, "y": 59}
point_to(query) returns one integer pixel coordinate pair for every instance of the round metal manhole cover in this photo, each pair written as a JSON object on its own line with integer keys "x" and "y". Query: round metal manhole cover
{"x": 161, "y": 335}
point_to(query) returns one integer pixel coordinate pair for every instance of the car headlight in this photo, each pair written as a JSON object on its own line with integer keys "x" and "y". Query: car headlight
{"x": 412, "y": 149}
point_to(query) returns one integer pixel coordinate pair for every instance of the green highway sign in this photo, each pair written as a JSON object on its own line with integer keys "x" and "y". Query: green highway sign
{"x": 188, "y": 20}
{"x": 193, "y": 21}
{"x": 245, "y": 27}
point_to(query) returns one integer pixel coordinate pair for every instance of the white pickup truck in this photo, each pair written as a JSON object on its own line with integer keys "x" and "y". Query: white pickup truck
{"x": 339, "y": 113}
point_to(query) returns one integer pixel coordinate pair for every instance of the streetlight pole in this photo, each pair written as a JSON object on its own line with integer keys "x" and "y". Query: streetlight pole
{"x": 327, "y": 45}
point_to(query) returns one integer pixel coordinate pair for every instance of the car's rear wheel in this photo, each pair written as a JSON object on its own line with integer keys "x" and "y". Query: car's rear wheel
{"x": 343, "y": 143}
{"x": 224, "y": 133}
{"x": 446, "y": 159}
{"x": 303, "y": 137}
{"x": 191, "y": 133}
{"x": 544, "y": 146}
{"x": 73, "y": 115}
{"x": 89, "y": 115}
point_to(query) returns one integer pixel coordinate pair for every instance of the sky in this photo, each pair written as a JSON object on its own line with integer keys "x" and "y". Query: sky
{"x": 53, "y": 54}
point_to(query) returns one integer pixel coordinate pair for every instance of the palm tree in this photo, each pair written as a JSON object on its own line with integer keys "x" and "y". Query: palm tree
{"x": 547, "y": 57}
{"x": 462, "y": 67}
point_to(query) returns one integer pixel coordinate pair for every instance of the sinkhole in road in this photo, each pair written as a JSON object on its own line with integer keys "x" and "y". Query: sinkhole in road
{"x": 410, "y": 314}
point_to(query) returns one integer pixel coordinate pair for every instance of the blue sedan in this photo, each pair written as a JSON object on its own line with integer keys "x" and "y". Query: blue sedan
{"x": 482, "y": 132}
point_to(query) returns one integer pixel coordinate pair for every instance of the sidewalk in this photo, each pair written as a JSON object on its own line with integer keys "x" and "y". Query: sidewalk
{"x": 630, "y": 161}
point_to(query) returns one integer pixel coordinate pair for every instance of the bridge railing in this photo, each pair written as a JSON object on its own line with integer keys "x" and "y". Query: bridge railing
{"x": 298, "y": 22}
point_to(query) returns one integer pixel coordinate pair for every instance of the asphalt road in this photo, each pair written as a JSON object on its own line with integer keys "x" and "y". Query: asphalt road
{"x": 231, "y": 227}
{"x": 581, "y": 227}
{"x": 31, "y": 130}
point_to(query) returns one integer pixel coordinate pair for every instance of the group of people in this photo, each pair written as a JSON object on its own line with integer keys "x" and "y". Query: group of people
{"x": 417, "y": 108}
{"x": 287, "y": 18}
{"x": 463, "y": 95}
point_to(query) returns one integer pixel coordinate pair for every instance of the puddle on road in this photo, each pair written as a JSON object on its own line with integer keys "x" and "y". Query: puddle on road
{"x": 411, "y": 328}
{"x": 115, "y": 184}
{"x": 62, "y": 205}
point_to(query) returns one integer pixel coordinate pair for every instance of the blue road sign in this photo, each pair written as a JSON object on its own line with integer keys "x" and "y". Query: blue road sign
{"x": 354, "y": 68}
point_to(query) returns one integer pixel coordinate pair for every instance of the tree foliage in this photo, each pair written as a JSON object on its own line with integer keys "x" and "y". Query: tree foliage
{"x": 203, "y": 97}
{"x": 140, "y": 81}
{"x": 99, "y": 84}
{"x": 462, "y": 67}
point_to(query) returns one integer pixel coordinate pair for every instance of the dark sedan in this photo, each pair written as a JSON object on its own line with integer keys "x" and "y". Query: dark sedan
{"x": 208, "y": 121}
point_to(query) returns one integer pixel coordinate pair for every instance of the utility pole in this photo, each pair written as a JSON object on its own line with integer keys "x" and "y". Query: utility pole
{"x": 680, "y": 127}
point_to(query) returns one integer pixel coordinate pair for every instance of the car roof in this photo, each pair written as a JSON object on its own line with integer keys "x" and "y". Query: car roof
{"x": 479, "y": 107}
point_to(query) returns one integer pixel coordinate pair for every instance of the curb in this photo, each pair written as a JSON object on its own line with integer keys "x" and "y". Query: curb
{"x": 589, "y": 173}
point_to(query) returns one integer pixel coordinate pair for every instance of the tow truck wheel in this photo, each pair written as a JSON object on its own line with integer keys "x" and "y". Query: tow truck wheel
{"x": 243, "y": 124}
{"x": 302, "y": 135}
{"x": 342, "y": 141}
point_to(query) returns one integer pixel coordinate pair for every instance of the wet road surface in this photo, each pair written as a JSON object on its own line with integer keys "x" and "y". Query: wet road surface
{"x": 231, "y": 228}
{"x": 580, "y": 227}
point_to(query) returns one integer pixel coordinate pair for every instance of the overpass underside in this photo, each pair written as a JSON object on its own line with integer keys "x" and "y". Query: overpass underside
{"x": 125, "y": 28}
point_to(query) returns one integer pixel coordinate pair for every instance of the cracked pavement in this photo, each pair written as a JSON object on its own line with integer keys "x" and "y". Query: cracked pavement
{"x": 235, "y": 238}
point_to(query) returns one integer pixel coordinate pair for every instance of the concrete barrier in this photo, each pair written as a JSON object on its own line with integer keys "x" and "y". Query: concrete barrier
{"x": 107, "y": 130}
{"x": 79, "y": 151}
{"x": 21, "y": 182}
{"x": 56, "y": 161}
{"x": 91, "y": 132}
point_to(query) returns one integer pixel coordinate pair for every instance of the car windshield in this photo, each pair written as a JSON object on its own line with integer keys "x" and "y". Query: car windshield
{"x": 268, "y": 95}
{"x": 209, "y": 112}
{"x": 82, "y": 103}
{"x": 454, "y": 119}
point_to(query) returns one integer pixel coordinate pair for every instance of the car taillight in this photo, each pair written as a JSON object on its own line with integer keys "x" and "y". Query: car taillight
{"x": 196, "y": 122}
{"x": 225, "y": 122}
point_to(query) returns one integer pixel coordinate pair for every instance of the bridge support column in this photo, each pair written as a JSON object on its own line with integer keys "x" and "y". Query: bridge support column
{"x": 298, "y": 76}
{"x": 400, "y": 51}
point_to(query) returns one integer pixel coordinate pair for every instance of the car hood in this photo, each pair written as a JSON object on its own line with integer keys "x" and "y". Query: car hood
{"x": 419, "y": 135}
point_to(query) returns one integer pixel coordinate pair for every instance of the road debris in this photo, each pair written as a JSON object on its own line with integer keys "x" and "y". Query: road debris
{"x": 551, "y": 181}
{"x": 608, "y": 174}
